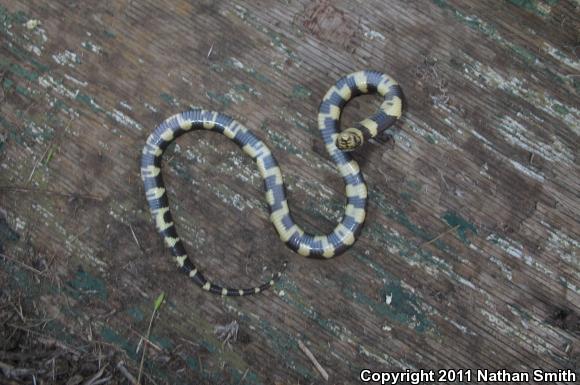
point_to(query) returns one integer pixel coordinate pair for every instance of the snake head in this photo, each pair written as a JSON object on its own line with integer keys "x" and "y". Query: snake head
{"x": 349, "y": 140}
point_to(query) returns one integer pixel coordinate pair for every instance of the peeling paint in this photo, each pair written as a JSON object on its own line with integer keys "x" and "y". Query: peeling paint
{"x": 518, "y": 166}
{"x": 301, "y": 92}
{"x": 92, "y": 47}
{"x": 372, "y": 35}
{"x": 516, "y": 250}
{"x": 483, "y": 76}
{"x": 540, "y": 8}
{"x": 84, "y": 283}
{"x": 527, "y": 171}
{"x": 564, "y": 246}
{"x": 32, "y": 24}
{"x": 123, "y": 119}
{"x": 66, "y": 58}
{"x": 76, "y": 81}
{"x": 561, "y": 57}
{"x": 463, "y": 226}
{"x": 518, "y": 135}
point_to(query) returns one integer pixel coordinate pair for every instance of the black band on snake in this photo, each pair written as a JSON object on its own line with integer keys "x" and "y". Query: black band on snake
{"x": 337, "y": 143}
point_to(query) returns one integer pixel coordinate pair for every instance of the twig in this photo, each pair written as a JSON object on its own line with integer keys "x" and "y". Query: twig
{"x": 47, "y": 340}
{"x": 228, "y": 332}
{"x": 157, "y": 304}
{"x": 51, "y": 192}
{"x": 147, "y": 340}
{"x": 23, "y": 356}
{"x": 102, "y": 380}
{"x": 190, "y": 342}
{"x": 440, "y": 235}
{"x": 10, "y": 371}
{"x": 125, "y": 372}
{"x": 136, "y": 240}
{"x": 244, "y": 376}
{"x": 38, "y": 162}
{"x": 95, "y": 377}
{"x": 134, "y": 236}
{"x": 310, "y": 356}
{"x": 35, "y": 271}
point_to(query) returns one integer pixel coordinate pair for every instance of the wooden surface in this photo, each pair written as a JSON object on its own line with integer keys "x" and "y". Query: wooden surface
{"x": 469, "y": 255}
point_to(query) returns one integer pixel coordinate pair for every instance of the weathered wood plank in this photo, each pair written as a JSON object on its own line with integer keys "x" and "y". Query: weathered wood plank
{"x": 487, "y": 147}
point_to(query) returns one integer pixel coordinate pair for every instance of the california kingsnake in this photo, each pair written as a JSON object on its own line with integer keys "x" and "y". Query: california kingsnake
{"x": 337, "y": 144}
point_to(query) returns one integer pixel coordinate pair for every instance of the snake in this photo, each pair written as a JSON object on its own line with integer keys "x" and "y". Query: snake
{"x": 338, "y": 144}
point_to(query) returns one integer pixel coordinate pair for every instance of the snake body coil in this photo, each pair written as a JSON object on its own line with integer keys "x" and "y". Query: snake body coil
{"x": 337, "y": 144}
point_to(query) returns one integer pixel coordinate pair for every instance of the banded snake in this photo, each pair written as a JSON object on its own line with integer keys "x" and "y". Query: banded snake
{"x": 337, "y": 144}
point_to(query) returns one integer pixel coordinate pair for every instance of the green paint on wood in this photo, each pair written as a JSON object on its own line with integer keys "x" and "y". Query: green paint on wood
{"x": 162, "y": 342}
{"x": 7, "y": 234}
{"x": 234, "y": 95}
{"x": 112, "y": 337}
{"x": 277, "y": 41}
{"x": 283, "y": 343}
{"x": 169, "y": 99}
{"x": 234, "y": 64}
{"x": 109, "y": 34}
{"x": 523, "y": 53}
{"x": 209, "y": 346}
{"x": 250, "y": 379}
{"x": 245, "y": 88}
{"x": 180, "y": 170}
{"x": 454, "y": 219}
{"x": 392, "y": 301}
{"x": 521, "y": 312}
{"x": 404, "y": 307}
{"x": 89, "y": 101}
{"x": 7, "y": 22}
{"x": 84, "y": 283}
{"x": 279, "y": 140}
{"x": 22, "y": 91}
{"x": 192, "y": 363}
{"x": 295, "y": 298}
{"x": 301, "y": 92}
{"x": 562, "y": 110}
{"x": 58, "y": 105}
{"x": 6, "y": 124}
{"x": 406, "y": 197}
{"x": 7, "y": 19}
{"x": 259, "y": 76}
{"x": 224, "y": 100}
{"x": 136, "y": 313}
{"x": 430, "y": 139}
{"x": 89, "y": 46}
{"x": 488, "y": 30}
{"x": 303, "y": 126}
{"x": 24, "y": 73}
{"x": 33, "y": 131}
{"x": 396, "y": 214}
{"x": 541, "y": 8}
{"x": 576, "y": 84}
{"x": 275, "y": 37}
